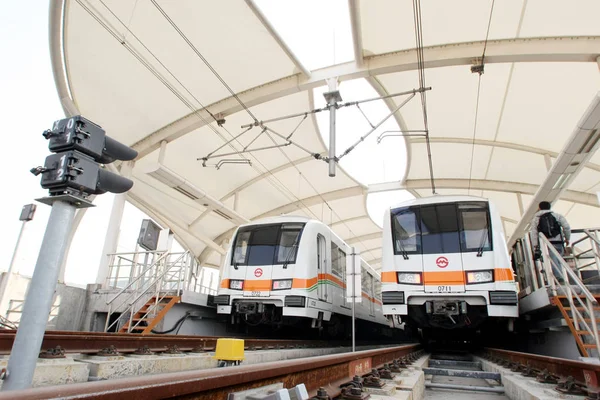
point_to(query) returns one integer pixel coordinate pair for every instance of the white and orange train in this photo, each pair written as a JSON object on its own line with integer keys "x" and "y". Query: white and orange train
{"x": 292, "y": 271}
{"x": 445, "y": 264}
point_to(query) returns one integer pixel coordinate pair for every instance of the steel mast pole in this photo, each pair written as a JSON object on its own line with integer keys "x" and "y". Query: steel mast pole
{"x": 28, "y": 341}
{"x": 332, "y": 97}
{"x": 353, "y": 299}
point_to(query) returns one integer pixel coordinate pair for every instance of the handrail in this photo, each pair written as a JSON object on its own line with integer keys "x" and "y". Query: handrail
{"x": 158, "y": 278}
{"x": 566, "y": 268}
{"x": 151, "y": 285}
{"x": 164, "y": 255}
{"x": 589, "y": 234}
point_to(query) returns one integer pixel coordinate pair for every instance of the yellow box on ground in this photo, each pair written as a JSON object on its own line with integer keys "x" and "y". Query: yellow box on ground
{"x": 229, "y": 349}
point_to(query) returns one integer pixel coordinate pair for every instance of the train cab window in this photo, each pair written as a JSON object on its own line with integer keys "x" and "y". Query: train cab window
{"x": 475, "y": 229}
{"x": 439, "y": 229}
{"x": 405, "y": 231}
{"x": 241, "y": 247}
{"x": 267, "y": 244}
{"x": 288, "y": 243}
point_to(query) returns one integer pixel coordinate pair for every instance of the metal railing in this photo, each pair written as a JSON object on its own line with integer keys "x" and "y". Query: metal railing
{"x": 586, "y": 253}
{"x": 150, "y": 282}
{"x": 571, "y": 284}
{"x": 142, "y": 276}
{"x": 15, "y": 310}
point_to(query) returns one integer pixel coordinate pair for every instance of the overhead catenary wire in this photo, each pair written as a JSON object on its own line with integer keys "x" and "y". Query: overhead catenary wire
{"x": 282, "y": 188}
{"x": 418, "y": 25}
{"x": 195, "y": 49}
{"x": 480, "y": 72}
{"x": 278, "y": 185}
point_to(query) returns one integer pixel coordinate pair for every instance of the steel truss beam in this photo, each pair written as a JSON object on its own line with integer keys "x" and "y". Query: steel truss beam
{"x": 547, "y": 49}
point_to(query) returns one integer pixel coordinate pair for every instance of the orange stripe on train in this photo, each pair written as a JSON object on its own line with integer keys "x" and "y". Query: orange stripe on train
{"x": 449, "y": 277}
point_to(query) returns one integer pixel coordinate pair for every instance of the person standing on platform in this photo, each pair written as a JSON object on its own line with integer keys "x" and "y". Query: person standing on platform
{"x": 556, "y": 229}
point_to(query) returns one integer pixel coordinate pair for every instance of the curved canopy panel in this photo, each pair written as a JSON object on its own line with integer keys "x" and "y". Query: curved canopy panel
{"x": 181, "y": 81}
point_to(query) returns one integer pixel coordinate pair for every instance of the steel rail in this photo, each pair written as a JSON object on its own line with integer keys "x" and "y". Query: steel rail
{"x": 93, "y": 342}
{"x": 583, "y": 373}
{"x": 315, "y": 372}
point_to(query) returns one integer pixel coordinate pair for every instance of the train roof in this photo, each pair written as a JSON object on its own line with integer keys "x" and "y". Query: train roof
{"x": 280, "y": 220}
{"x": 438, "y": 199}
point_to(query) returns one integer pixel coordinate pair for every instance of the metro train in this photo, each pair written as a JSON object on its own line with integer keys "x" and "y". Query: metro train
{"x": 445, "y": 265}
{"x": 291, "y": 271}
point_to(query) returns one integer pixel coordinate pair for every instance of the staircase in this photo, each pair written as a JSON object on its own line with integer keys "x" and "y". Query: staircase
{"x": 584, "y": 330}
{"x": 571, "y": 294}
{"x": 151, "y": 313}
{"x": 146, "y": 299}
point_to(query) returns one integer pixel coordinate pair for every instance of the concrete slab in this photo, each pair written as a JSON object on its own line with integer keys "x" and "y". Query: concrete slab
{"x": 56, "y": 372}
{"x": 399, "y": 395}
{"x": 132, "y": 365}
{"x": 412, "y": 380}
{"x": 518, "y": 387}
{"x": 388, "y": 389}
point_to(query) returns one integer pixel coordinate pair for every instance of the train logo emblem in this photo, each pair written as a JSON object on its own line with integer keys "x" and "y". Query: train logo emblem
{"x": 441, "y": 262}
{"x": 258, "y": 272}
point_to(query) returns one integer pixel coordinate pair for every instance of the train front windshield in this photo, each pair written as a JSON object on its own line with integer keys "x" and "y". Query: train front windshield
{"x": 267, "y": 244}
{"x": 441, "y": 228}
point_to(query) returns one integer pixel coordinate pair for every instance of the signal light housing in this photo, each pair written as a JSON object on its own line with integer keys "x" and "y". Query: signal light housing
{"x": 81, "y": 146}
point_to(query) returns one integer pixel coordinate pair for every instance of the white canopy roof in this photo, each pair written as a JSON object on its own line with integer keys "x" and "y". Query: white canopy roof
{"x": 137, "y": 69}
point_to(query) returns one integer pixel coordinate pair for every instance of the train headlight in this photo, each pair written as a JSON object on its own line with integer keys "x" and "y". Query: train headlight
{"x": 480, "y": 277}
{"x": 236, "y": 284}
{"x": 282, "y": 284}
{"x": 410, "y": 278}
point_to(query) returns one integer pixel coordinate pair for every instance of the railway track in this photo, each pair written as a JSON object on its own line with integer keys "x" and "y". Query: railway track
{"x": 94, "y": 342}
{"x": 568, "y": 376}
{"x": 325, "y": 376}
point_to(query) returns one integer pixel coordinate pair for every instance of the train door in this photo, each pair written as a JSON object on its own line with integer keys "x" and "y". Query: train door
{"x": 321, "y": 267}
{"x": 442, "y": 260}
{"x": 476, "y": 243}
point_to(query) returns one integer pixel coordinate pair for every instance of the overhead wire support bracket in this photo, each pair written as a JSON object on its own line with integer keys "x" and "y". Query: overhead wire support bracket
{"x": 362, "y": 138}
{"x": 406, "y": 133}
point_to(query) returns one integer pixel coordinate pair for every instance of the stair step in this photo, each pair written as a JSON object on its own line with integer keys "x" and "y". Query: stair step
{"x": 584, "y": 333}
{"x": 589, "y": 346}
{"x": 582, "y": 308}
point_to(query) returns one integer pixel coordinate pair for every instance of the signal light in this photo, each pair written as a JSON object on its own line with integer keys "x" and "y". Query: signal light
{"x": 81, "y": 146}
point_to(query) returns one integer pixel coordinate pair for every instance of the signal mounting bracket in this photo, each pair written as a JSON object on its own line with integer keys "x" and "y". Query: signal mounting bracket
{"x": 75, "y": 201}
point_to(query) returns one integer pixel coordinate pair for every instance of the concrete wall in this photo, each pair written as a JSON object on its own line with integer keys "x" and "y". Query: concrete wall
{"x": 554, "y": 344}
{"x": 71, "y": 308}
{"x": 205, "y": 325}
{"x": 70, "y": 300}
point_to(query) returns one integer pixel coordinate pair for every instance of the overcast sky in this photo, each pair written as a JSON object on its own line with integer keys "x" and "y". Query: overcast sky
{"x": 29, "y": 105}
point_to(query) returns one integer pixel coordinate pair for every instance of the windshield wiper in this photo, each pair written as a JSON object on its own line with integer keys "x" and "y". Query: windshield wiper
{"x": 482, "y": 242}
{"x": 235, "y": 265}
{"x": 292, "y": 251}
{"x": 402, "y": 250}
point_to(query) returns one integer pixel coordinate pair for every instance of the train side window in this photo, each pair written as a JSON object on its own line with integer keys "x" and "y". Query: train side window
{"x": 376, "y": 288}
{"x": 406, "y": 232}
{"x": 367, "y": 282}
{"x": 338, "y": 260}
{"x": 439, "y": 229}
{"x": 475, "y": 227}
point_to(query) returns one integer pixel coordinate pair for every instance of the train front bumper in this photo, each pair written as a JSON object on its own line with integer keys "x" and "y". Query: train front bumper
{"x": 498, "y": 303}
